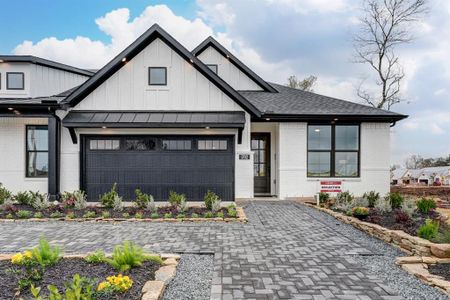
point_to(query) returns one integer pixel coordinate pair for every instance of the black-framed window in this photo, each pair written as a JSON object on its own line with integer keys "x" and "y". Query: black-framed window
{"x": 15, "y": 81}
{"x": 157, "y": 76}
{"x": 0, "y": 81}
{"x": 213, "y": 68}
{"x": 108, "y": 144}
{"x": 141, "y": 144}
{"x": 333, "y": 150}
{"x": 177, "y": 145}
{"x": 36, "y": 151}
{"x": 212, "y": 145}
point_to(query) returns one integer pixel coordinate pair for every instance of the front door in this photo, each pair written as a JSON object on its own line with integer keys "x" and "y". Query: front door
{"x": 261, "y": 162}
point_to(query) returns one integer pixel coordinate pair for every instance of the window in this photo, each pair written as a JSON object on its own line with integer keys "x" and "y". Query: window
{"x": 212, "y": 145}
{"x": 140, "y": 144}
{"x": 104, "y": 144}
{"x": 333, "y": 150}
{"x": 213, "y": 68}
{"x": 157, "y": 76}
{"x": 15, "y": 81}
{"x": 176, "y": 144}
{"x": 36, "y": 151}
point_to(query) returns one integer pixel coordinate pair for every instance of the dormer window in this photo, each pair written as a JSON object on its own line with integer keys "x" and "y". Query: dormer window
{"x": 157, "y": 76}
{"x": 15, "y": 81}
{"x": 213, "y": 68}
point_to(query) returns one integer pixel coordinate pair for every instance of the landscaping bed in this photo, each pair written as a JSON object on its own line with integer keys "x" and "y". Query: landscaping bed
{"x": 44, "y": 273}
{"x": 442, "y": 270}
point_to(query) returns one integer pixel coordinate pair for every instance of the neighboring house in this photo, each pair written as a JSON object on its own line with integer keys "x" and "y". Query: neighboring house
{"x": 400, "y": 177}
{"x": 161, "y": 118}
{"x": 434, "y": 175}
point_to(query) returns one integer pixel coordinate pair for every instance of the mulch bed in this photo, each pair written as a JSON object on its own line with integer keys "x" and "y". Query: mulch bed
{"x": 63, "y": 272}
{"x": 440, "y": 270}
{"x": 63, "y": 211}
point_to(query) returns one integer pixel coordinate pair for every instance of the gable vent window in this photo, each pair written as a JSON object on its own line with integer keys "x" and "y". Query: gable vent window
{"x": 157, "y": 76}
{"x": 213, "y": 68}
{"x": 15, "y": 81}
{"x": 212, "y": 145}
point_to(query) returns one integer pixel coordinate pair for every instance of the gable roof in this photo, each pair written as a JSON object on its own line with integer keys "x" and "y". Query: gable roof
{"x": 136, "y": 47}
{"x": 291, "y": 103}
{"x": 211, "y": 42}
{"x": 44, "y": 62}
{"x": 45, "y": 101}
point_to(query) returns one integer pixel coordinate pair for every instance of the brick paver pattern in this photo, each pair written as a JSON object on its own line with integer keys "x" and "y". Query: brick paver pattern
{"x": 282, "y": 253}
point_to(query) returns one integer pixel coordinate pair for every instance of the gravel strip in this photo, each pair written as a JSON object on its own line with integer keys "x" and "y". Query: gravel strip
{"x": 193, "y": 278}
{"x": 382, "y": 262}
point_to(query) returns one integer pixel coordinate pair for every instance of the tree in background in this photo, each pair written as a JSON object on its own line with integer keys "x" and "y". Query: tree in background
{"x": 385, "y": 26}
{"x": 418, "y": 162}
{"x": 306, "y": 84}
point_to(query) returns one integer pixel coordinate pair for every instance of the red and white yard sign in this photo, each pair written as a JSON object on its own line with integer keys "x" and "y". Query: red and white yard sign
{"x": 331, "y": 186}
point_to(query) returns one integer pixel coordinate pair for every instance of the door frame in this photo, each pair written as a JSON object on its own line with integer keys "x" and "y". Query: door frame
{"x": 268, "y": 159}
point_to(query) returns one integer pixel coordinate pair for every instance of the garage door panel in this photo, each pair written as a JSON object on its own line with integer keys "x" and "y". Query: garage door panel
{"x": 157, "y": 171}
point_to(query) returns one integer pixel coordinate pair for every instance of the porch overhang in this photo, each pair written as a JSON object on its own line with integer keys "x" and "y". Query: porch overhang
{"x": 154, "y": 119}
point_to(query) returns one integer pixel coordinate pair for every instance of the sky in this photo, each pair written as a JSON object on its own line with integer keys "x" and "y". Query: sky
{"x": 276, "y": 38}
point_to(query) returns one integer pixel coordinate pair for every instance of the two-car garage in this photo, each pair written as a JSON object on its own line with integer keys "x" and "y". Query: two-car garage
{"x": 158, "y": 164}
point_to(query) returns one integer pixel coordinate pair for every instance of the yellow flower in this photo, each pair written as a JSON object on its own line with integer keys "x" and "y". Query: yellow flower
{"x": 17, "y": 258}
{"x": 102, "y": 285}
{"x": 28, "y": 254}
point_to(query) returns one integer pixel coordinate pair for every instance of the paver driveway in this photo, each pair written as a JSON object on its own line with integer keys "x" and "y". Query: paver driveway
{"x": 285, "y": 251}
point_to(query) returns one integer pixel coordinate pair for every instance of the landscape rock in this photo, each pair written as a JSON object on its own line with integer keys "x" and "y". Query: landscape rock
{"x": 441, "y": 250}
{"x": 153, "y": 290}
{"x": 165, "y": 274}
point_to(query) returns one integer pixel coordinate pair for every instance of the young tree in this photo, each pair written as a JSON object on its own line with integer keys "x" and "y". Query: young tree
{"x": 306, "y": 84}
{"x": 386, "y": 24}
{"x": 414, "y": 162}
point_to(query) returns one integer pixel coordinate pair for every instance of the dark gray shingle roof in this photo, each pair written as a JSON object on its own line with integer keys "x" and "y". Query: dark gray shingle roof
{"x": 55, "y": 99}
{"x": 289, "y": 101}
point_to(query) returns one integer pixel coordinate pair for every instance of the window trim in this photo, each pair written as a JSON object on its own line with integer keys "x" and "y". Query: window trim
{"x": 34, "y": 151}
{"x": 23, "y": 81}
{"x": 162, "y": 140}
{"x": 333, "y": 150}
{"x": 157, "y": 84}
{"x": 105, "y": 139}
{"x": 215, "y": 65}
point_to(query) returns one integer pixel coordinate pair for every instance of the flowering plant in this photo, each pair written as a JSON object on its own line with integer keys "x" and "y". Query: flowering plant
{"x": 22, "y": 258}
{"x": 116, "y": 283}
{"x": 360, "y": 211}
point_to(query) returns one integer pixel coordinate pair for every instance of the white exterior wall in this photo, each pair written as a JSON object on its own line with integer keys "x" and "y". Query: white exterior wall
{"x": 12, "y": 155}
{"x": 375, "y": 160}
{"x": 39, "y": 80}
{"x": 228, "y": 72}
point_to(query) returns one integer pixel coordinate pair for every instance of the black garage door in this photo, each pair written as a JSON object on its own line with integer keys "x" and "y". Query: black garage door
{"x": 191, "y": 165}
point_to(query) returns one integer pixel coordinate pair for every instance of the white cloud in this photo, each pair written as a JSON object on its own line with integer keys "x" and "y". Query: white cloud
{"x": 436, "y": 129}
{"x": 86, "y": 53}
{"x": 307, "y": 6}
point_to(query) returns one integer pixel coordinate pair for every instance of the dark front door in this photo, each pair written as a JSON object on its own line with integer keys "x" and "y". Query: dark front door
{"x": 261, "y": 162}
{"x": 191, "y": 165}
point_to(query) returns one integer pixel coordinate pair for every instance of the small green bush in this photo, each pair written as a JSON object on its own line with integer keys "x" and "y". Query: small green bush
{"x": 429, "y": 230}
{"x": 372, "y": 197}
{"x": 231, "y": 212}
{"x": 208, "y": 214}
{"x": 125, "y": 215}
{"x": 142, "y": 200}
{"x": 210, "y": 200}
{"x": 46, "y": 255}
{"x": 9, "y": 216}
{"x": 324, "y": 198}
{"x": 167, "y": 215}
{"x": 360, "y": 211}
{"x": 56, "y": 214}
{"x": 154, "y": 215}
{"x": 23, "y": 214}
{"x": 176, "y": 199}
{"x": 344, "y": 197}
{"x": 89, "y": 214}
{"x": 219, "y": 214}
{"x": 194, "y": 215}
{"x": 70, "y": 215}
{"x": 424, "y": 205}
{"x": 181, "y": 216}
{"x": 23, "y": 198}
{"x": 4, "y": 194}
{"x": 138, "y": 215}
{"x": 129, "y": 255}
{"x": 80, "y": 288}
{"x": 106, "y": 215}
{"x": 38, "y": 215}
{"x": 396, "y": 200}
{"x": 108, "y": 198}
{"x": 96, "y": 257}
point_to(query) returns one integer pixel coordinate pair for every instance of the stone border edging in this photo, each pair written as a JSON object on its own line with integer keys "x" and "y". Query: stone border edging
{"x": 152, "y": 289}
{"x": 240, "y": 218}
{"x": 418, "y": 266}
{"x": 411, "y": 245}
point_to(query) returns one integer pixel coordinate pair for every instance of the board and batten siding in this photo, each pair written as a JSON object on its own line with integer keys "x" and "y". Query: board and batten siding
{"x": 12, "y": 152}
{"x": 228, "y": 72}
{"x": 187, "y": 89}
{"x": 374, "y": 163}
{"x": 39, "y": 81}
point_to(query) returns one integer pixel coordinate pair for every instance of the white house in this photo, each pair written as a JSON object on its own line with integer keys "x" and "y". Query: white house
{"x": 159, "y": 117}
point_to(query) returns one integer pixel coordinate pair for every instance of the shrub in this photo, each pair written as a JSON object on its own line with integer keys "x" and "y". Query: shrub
{"x": 89, "y": 214}
{"x": 46, "y": 255}
{"x": 372, "y": 197}
{"x": 129, "y": 255}
{"x": 383, "y": 205}
{"x": 76, "y": 199}
{"x": 194, "y": 215}
{"x": 81, "y": 288}
{"x": 167, "y": 215}
{"x": 23, "y": 198}
{"x": 429, "y": 230}
{"x": 360, "y": 201}
{"x": 38, "y": 215}
{"x": 345, "y": 197}
{"x": 181, "y": 216}
{"x": 183, "y": 206}
{"x": 211, "y": 199}
{"x": 401, "y": 217}
{"x": 56, "y": 214}
{"x": 125, "y": 215}
{"x": 117, "y": 204}
{"x": 70, "y": 215}
{"x": 231, "y": 212}
{"x": 4, "y": 194}
{"x": 409, "y": 207}
{"x": 106, "y": 214}
{"x": 9, "y": 216}
{"x": 219, "y": 215}
{"x": 39, "y": 201}
{"x": 143, "y": 200}
{"x": 23, "y": 214}
{"x": 395, "y": 199}
{"x": 344, "y": 202}
{"x": 176, "y": 199}
{"x": 208, "y": 214}
{"x": 324, "y": 198}
{"x": 107, "y": 199}
{"x": 154, "y": 215}
{"x": 360, "y": 211}
{"x": 424, "y": 205}
{"x": 96, "y": 257}
{"x": 139, "y": 215}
